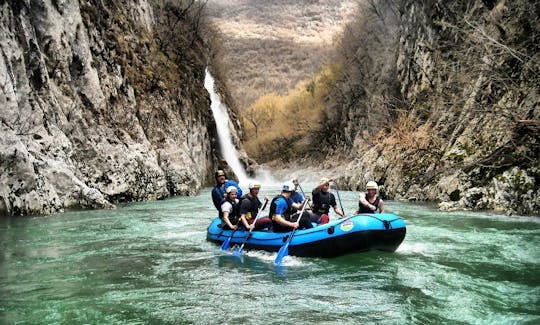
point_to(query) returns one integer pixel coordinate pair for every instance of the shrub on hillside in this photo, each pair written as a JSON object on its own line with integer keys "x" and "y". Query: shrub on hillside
{"x": 277, "y": 126}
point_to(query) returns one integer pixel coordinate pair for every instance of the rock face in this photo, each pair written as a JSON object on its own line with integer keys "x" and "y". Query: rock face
{"x": 95, "y": 109}
{"x": 460, "y": 118}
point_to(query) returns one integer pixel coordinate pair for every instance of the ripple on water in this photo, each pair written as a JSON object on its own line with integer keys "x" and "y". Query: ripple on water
{"x": 150, "y": 263}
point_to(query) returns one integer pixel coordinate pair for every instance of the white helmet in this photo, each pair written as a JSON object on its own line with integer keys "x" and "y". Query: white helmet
{"x": 231, "y": 189}
{"x": 371, "y": 185}
{"x": 289, "y": 187}
{"x": 253, "y": 185}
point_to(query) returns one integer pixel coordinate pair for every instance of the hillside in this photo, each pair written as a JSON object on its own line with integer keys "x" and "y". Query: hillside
{"x": 271, "y": 46}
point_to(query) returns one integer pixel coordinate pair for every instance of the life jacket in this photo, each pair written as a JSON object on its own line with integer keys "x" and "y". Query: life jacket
{"x": 273, "y": 206}
{"x": 295, "y": 197}
{"x": 234, "y": 216}
{"x": 322, "y": 206}
{"x": 363, "y": 209}
{"x": 254, "y": 205}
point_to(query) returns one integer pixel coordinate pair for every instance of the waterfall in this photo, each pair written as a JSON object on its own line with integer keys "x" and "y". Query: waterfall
{"x": 221, "y": 117}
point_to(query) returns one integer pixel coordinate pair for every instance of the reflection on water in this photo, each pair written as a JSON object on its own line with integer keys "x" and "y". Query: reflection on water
{"x": 149, "y": 263}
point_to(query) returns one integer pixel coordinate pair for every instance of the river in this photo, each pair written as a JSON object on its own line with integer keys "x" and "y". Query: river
{"x": 149, "y": 263}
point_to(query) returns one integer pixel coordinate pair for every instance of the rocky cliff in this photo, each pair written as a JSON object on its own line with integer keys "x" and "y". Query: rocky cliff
{"x": 101, "y": 102}
{"x": 439, "y": 101}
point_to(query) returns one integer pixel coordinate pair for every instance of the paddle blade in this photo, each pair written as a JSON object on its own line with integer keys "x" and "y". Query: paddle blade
{"x": 283, "y": 251}
{"x": 226, "y": 244}
{"x": 237, "y": 252}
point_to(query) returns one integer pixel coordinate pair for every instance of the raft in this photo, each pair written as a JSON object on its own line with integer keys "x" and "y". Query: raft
{"x": 358, "y": 233}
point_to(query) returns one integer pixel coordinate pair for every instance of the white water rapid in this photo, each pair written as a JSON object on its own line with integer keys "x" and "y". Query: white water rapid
{"x": 221, "y": 116}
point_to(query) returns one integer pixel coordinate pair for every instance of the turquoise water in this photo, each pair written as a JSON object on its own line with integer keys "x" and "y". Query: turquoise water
{"x": 149, "y": 263}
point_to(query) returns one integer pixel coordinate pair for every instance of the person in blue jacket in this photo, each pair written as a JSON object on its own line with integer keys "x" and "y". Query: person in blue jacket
{"x": 218, "y": 192}
{"x": 296, "y": 196}
{"x": 282, "y": 215}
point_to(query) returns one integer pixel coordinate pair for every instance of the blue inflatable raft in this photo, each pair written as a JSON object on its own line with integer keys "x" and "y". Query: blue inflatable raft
{"x": 357, "y": 233}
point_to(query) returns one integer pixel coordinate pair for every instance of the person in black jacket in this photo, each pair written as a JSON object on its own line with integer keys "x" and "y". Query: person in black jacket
{"x": 370, "y": 202}
{"x": 323, "y": 200}
{"x": 230, "y": 209}
{"x": 249, "y": 209}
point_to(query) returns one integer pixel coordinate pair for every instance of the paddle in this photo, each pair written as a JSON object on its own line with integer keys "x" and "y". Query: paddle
{"x": 301, "y": 190}
{"x": 227, "y": 242}
{"x": 284, "y": 250}
{"x": 238, "y": 251}
{"x": 339, "y": 198}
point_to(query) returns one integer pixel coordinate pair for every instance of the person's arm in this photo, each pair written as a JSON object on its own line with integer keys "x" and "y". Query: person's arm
{"x": 244, "y": 209}
{"x": 228, "y": 222}
{"x": 365, "y": 203}
{"x": 337, "y": 210}
{"x": 320, "y": 185}
{"x": 381, "y": 206}
{"x": 246, "y": 223}
{"x": 297, "y": 206}
{"x": 279, "y": 219}
{"x": 281, "y": 207}
{"x": 227, "y": 208}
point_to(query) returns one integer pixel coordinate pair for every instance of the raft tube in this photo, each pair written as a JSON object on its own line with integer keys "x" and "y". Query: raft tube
{"x": 358, "y": 233}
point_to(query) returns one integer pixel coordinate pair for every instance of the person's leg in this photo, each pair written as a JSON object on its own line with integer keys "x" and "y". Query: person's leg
{"x": 323, "y": 219}
{"x": 305, "y": 221}
{"x": 313, "y": 217}
{"x": 279, "y": 228}
{"x": 263, "y": 223}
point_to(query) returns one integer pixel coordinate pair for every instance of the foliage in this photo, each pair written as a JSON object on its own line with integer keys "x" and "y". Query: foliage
{"x": 277, "y": 126}
{"x": 366, "y": 93}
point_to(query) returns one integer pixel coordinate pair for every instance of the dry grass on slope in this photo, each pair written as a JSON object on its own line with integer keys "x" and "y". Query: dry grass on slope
{"x": 272, "y": 46}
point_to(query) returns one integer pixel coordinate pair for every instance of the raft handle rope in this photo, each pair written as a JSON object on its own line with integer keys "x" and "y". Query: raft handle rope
{"x": 387, "y": 223}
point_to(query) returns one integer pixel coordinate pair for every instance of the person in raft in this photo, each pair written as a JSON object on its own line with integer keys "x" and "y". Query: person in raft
{"x": 281, "y": 212}
{"x": 296, "y": 196}
{"x": 249, "y": 209}
{"x": 230, "y": 209}
{"x": 370, "y": 202}
{"x": 218, "y": 192}
{"x": 322, "y": 201}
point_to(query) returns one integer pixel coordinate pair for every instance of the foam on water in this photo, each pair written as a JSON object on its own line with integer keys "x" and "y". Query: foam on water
{"x": 151, "y": 263}
{"x": 407, "y": 248}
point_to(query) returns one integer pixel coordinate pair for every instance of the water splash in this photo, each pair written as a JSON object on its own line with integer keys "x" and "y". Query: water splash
{"x": 221, "y": 116}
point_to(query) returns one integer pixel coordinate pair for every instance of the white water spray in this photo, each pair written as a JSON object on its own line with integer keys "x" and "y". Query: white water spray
{"x": 221, "y": 116}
